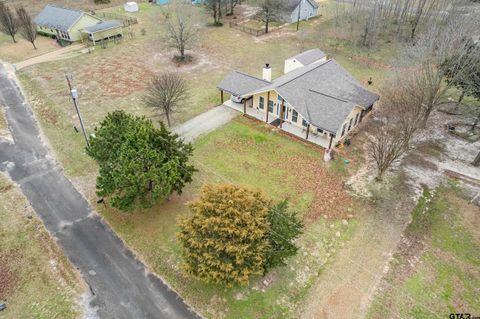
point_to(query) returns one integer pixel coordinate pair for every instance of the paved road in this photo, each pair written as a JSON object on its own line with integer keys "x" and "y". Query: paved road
{"x": 205, "y": 122}
{"x": 122, "y": 287}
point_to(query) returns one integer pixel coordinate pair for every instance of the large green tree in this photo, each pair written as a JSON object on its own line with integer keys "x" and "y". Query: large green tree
{"x": 285, "y": 227}
{"x": 235, "y": 233}
{"x": 139, "y": 164}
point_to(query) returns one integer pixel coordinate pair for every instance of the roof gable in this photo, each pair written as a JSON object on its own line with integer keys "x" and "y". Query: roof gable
{"x": 310, "y": 56}
{"x": 292, "y": 4}
{"x": 58, "y": 18}
{"x": 239, "y": 83}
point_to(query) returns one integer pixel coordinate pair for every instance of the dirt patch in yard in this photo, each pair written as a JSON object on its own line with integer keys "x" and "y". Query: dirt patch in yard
{"x": 123, "y": 80}
{"x": 7, "y": 278}
{"x": 329, "y": 195}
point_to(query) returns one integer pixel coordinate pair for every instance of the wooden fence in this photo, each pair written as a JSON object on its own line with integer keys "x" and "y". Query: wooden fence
{"x": 246, "y": 29}
{"x": 253, "y": 31}
{"x": 127, "y": 21}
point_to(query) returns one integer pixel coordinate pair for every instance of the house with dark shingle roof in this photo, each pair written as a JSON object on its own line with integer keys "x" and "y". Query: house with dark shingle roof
{"x": 300, "y": 9}
{"x": 316, "y": 99}
{"x": 63, "y": 23}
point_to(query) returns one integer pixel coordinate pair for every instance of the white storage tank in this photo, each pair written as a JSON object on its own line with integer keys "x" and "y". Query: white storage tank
{"x": 131, "y": 6}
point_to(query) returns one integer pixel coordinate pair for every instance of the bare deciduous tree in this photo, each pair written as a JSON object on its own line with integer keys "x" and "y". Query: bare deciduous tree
{"x": 166, "y": 92}
{"x": 443, "y": 47}
{"x": 27, "y": 27}
{"x": 386, "y": 145}
{"x": 400, "y": 115}
{"x": 270, "y": 10}
{"x": 214, "y": 8}
{"x": 181, "y": 33}
{"x": 8, "y": 22}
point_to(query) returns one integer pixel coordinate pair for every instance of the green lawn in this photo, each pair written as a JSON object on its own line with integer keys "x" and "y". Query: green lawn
{"x": 36, "y": 279}
{"x": 243, "y": 153}
{"x": 445, "y": 245}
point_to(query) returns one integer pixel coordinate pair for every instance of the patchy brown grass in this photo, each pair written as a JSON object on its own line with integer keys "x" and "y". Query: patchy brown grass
{"x": 310, "y": 175}
{"x": 8, "y": 281}
{"x": 36, "y": 279}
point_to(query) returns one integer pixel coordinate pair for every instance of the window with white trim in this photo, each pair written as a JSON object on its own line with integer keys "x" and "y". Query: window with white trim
{"x": 294, "y": 116}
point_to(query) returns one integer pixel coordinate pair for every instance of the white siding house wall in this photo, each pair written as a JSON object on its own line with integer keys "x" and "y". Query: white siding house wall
{"x": 307, "y": 11}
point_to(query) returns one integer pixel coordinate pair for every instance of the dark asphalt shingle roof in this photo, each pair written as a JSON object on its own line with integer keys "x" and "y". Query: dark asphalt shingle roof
{"x": 104, "y": 25}
{"x": 310, "y": 56}
{"x": 323, "y": 93}
{"x": 239, "y": 83}
{"x": 292, "y": 4}
{"x": 57, "y": 17}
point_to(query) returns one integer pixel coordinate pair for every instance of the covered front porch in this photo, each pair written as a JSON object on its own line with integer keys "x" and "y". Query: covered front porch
{"x": 311, "y": 136}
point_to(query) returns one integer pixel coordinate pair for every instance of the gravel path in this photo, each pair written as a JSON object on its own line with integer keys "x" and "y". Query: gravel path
{"x": 60, "y": 54}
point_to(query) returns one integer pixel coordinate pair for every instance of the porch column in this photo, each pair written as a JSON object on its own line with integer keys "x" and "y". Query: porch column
{"x": 221, "y": 95}
{"x": 245, "y": 106}
{"x": 281, "y": 112}
{"x": 308, "y": 131}
{"x": 266, "y": 106}
{"x": 331, "y": 140}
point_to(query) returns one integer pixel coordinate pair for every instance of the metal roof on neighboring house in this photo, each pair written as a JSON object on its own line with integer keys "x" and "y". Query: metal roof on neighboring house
{"x": 104, "y": 25}
{"x": 323, "y": 93}
{"x": 310, "y": 56}
{"x": 57, "y": 17}
{"x": 238, "y": 83}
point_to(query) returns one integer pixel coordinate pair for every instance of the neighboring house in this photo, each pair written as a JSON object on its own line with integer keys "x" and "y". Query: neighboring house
{"x": 161, "y": 2}
{"x": 104, "y": 30}
{"x": 65, "y": 24}
{"x": 316, "y": 99}
{"x": 306, "y": 8}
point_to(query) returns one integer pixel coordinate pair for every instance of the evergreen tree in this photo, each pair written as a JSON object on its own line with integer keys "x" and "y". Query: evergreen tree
{"x": 139, "y": 164}
{"x": 285, "y": 227}
{"x": 225, "y": 240}
{"x": 235, "y": 233}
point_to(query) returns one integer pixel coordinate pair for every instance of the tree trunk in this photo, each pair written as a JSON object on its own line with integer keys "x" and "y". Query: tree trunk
{"x": 476, "y": 122}
{"x": 167, "y": 114}
{"x": 266, "y": 24}
{"x": 182, "y": 53}
{"x": 13, "y": 38}
{"x": 426, "y": 116}
{"x": 476, "y": 161}
{"x": 34, "y": 46}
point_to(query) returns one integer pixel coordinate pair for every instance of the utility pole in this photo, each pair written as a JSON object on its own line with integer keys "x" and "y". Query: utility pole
{"x": 74, "y": 95}
{"x": 299, "y": 13}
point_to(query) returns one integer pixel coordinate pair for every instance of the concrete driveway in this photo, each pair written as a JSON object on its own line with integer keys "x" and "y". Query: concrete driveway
{"x": 205, "y": 122}
{"x": 120, "y": 284}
